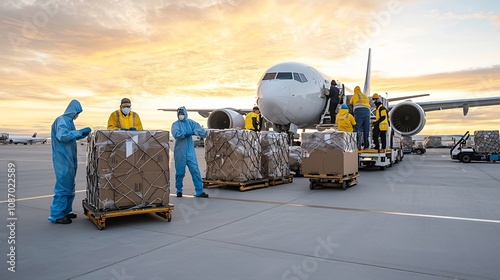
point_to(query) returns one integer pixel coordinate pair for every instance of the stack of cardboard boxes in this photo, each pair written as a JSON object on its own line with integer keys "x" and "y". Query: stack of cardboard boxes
{"x": 275, "y": 159}
{"x": 127, "y": 169}
{"x": 329, "y": 152}
{"x": 233, "y": 155}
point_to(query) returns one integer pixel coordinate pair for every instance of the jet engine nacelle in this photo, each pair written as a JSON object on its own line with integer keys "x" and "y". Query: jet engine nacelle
{"x": 408, "y": 118}
{"x": 225, "y": 118}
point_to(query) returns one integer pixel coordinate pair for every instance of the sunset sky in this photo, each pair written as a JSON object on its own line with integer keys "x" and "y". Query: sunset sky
{"x": 212, "y": 53}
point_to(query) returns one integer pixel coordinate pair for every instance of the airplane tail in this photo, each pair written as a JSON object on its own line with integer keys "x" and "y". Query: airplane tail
{"x": 34, "y": 135}
{"x": 366, "y": 89}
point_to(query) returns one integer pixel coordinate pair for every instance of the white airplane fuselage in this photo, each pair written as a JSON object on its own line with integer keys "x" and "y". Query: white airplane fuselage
{"x": 285, "y": 97}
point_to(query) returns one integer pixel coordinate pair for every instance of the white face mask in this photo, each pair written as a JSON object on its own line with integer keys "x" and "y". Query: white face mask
{"x": 181, "y": 117}
{"x": 126, "y": 110}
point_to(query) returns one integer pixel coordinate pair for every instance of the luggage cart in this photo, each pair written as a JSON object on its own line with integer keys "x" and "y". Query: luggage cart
{"x": 98, "y": 217}
{"x": 331, "y": 180}
{"x": 244, "y": 186}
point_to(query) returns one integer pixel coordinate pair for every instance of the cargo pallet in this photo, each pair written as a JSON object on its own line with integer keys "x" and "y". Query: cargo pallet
{"x": 98, "y": 217}
{"x": 244, "y": 186}
{"x": 332, "y": 180}
{"x": 273, "y": 181}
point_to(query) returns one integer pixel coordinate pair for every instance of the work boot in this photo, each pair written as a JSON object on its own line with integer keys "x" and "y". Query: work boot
{"x": 179, "y": 194}
{"x": 71, "y": 216}
{"x": 63, "y": 220}
{"x": 202, "y": 195}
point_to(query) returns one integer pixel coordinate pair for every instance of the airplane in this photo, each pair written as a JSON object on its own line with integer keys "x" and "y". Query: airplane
{"x": 291, "y": 96}
{"x": 15, "y": 139}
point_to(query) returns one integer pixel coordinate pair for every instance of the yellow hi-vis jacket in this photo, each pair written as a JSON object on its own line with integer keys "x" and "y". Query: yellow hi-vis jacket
{"x": 381, "y": 118}
{"x": 252, "y": 121}
{"x": 118, "y": 120}
{"x": 359, "y": 99}
{"x": 345, "y": 121}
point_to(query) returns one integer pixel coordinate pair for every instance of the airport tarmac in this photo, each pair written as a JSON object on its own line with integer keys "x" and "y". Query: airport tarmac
{"x": 427, "y": 217}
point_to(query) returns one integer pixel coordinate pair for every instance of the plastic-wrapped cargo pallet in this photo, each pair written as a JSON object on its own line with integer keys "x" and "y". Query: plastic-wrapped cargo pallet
{"x": 274, "y": 159}
{"x": 433, "y": 142}
{"x": 233, "y": 155}
{"x": 407, "y": 142}
{"x": 128, "y": 169}
{"x": 295, "y": 157}
{"x": 329, "y": 152}
{"x": 487, "y": 141}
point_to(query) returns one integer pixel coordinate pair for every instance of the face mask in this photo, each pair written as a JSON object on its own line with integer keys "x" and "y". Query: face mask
{"x": 181, "y": 117}
{"x": 125, "y": 111}
{"x": 75, "y": 117}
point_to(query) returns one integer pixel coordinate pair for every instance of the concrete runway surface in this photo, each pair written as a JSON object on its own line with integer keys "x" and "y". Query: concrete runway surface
{"x": 427, "y": 217}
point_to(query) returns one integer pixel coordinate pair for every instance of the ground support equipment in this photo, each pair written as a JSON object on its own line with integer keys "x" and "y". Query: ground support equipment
{"x": 243, "y": 186}
{"x": 98, "y": 217}
{"x": 331, "y": 180}
{"x": 280, "y": 180}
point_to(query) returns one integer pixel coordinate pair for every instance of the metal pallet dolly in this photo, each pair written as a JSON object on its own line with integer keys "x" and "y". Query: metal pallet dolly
{"x": 330, "y": 180}
{"x": 98, "y": 217}
{"x": 244, "y": 186}
{"x": 273, "y": 181}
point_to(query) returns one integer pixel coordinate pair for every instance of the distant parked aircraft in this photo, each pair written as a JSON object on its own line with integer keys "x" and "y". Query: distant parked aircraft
{"x": 16, "y": 139}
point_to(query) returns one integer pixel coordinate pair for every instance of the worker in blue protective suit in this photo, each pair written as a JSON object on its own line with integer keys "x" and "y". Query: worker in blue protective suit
{"x": 184, "y": 152}
{"x": 63, "y": 136}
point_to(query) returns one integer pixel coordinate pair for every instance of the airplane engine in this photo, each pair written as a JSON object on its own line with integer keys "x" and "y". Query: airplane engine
{"x": 225, "y": 118}
{"x": 407, "y": 117}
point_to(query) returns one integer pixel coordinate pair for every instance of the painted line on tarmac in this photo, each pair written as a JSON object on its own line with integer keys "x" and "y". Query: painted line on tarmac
{"x": 365, "y": 210}
{"x": 35, "y": 197}
{"x": 315, "y": 206}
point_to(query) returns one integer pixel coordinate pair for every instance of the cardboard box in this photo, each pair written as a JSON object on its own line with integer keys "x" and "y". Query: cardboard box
{"x": 128, "y": 169}
{"x": 331, "y": 162}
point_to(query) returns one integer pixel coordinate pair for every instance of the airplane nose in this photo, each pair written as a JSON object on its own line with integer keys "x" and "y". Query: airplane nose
{"x": 273, "y": 100}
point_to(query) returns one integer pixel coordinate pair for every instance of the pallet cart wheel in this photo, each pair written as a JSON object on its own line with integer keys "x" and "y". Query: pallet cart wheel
{"x": 169, "y": 217}
{"x": 101, "y": 224}
{"x": 312, "y": 185}
{"x": 291, "y": 180}
{"x": 344, "y": 185}
{"x": 382, "y": 167}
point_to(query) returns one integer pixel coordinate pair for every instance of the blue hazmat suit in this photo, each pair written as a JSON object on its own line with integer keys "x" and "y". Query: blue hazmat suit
{"x": 184, "y": 152}
{"x": 63, "y": 136}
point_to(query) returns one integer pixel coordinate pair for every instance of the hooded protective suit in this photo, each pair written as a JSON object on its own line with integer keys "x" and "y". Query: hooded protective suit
{"x": 184, "y": 152}
{"x": 64, "y": 158}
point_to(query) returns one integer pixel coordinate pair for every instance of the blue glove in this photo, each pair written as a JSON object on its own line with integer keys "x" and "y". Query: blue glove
{"x": 132, "y": 129}
{"x": 124, "y": 129}
{"x": 86, "y": 130}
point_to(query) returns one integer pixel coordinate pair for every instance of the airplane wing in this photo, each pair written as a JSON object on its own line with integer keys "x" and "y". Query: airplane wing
{"x": 206, "y": 112}
{"x": 465, "y": 104}
{"x": 459, "y": 103}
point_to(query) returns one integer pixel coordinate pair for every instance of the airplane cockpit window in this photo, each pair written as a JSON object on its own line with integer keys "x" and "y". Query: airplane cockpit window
{"x": 304, "y": 79}
{"x": 269, "y": 76}
{"x": 284, "y": 76}
{"x": 296, "y": 77}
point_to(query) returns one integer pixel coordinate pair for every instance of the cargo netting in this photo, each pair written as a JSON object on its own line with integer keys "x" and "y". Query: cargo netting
{"x": 295, "y": 158}
{"x": 487, "y": 141}
{"x": 233, "y": 155}
{"x": 275, "y": 159}
{"x": 327, "y": 140}
{"x": 127, "y": 169}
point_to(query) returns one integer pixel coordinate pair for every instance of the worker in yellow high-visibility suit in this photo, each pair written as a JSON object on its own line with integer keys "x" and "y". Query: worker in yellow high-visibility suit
{"x": 381, "y": 124}
{"x": 344, "y": 120}
{"x": 253, "y": 120}
{"x": 124, "y": 118}
{"x": 361, "y": 107}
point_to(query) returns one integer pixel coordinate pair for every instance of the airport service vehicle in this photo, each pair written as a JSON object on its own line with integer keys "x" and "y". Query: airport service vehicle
{"x": 467, "y": 154}
{"x": 383, "y": 158}
{"x": 415, "y": 150}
